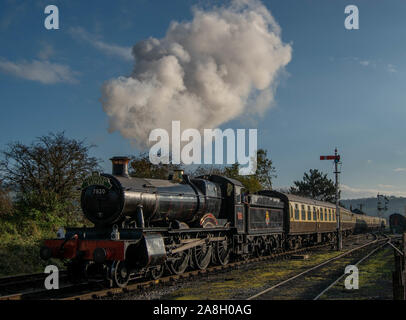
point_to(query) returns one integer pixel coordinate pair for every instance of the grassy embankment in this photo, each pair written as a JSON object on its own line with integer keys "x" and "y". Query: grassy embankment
{"x": 20, "y": 240}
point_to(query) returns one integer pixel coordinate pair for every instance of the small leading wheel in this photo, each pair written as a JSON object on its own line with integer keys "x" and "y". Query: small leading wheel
{"x": 120, "y": 273}
{"x": 157, "y": 271}
{"x": 222, "y": 251}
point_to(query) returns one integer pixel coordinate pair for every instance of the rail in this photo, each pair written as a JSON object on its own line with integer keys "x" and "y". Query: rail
{"x": 314, "y": 268}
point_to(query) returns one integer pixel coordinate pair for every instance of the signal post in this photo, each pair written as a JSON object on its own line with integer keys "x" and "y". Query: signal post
{"x": 336, "y": 158}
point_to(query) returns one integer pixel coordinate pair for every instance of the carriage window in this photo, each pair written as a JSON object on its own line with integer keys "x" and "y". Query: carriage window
{"x": 325, "y": 215}
{"x": 309, "y": 213}
{"x": 314, "y": 214}
{"x": 291, "y": 211}
{"x": 296, "y": 212}
{"x": 303, "y": 212}
{"x": 329, "y": 217}
{"x": 321, "y": 214}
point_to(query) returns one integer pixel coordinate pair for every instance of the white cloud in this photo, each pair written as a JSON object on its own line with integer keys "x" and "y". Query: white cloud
{"x": 348, "y": 192}
{"x": 46, "y": 52}
{"x": 222, "y": 65}
{"x": 368, "y": 63}
{"x": 386, "y": 186}
{"x": 364, "y": 63}
{"x": 391, "y": 68}
{"x": 106, "y": 48}
{"x": 400, "y": 170}
{"x": 369, "y": 161}
{"x": 43, "y": 71}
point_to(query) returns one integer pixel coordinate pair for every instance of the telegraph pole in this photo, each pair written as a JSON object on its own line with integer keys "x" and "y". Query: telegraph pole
{"x": 336, "y": 159}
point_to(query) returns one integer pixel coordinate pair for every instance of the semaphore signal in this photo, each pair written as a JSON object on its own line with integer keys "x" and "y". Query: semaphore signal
{"x": 336, "y": 157}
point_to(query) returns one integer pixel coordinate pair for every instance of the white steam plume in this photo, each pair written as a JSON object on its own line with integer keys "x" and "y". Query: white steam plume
{"x": 221, "y": 65}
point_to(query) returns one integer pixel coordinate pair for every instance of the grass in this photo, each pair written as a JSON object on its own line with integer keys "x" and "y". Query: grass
{"x": 237, "y": 282}
{"x": 375, "y": 279}
{"x": 20, "y": 241}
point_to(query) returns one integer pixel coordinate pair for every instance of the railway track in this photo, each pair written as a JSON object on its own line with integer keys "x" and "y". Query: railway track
{"x": 356, "y": 264}
{"x": 12, "y": 285}
{"x": 94, "y": 290}
{"x": 97, "y": 290}
{"x": 267, "y": 293}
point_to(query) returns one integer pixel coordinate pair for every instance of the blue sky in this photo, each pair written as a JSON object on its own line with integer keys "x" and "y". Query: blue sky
{"x": 341, "y": 88}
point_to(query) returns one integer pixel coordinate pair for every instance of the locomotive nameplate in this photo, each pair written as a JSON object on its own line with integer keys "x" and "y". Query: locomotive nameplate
{"x": 96, "y": 180}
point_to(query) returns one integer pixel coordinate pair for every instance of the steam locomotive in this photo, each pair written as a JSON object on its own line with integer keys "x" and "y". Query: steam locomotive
{"x": 144, "y": 227}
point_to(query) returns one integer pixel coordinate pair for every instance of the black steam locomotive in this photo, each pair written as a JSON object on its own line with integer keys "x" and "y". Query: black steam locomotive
{"x": 143, "y": 227}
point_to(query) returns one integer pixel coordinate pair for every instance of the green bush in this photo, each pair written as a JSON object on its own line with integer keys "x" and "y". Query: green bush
{"x": 21, "y": 236}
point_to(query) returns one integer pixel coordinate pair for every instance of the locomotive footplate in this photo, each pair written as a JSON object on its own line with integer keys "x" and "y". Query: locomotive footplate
{"x": 96, "y": 250}
{"x": 150, "y": 246}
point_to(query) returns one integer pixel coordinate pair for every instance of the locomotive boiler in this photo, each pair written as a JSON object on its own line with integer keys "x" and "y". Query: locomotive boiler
{"x": 119, "y": 199}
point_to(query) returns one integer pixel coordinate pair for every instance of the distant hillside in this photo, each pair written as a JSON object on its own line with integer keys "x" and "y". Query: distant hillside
{"x": 369, "y": 205}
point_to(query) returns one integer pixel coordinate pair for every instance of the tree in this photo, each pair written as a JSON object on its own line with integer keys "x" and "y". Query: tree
{"x": 265, "y": 170}
{"x": 262, "y": 179}
{"x": 6, "y": 205}
{"x": 46, "y": 173}
{"x": 315, "y": 185}
{"x": 141, "y": 167}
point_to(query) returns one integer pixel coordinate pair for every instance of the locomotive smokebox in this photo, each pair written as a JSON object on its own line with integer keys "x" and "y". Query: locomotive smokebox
{"x": 120, "y": 166}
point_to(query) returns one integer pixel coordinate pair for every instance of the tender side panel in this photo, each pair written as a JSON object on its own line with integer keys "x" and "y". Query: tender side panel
{"x": 265, "y": 220}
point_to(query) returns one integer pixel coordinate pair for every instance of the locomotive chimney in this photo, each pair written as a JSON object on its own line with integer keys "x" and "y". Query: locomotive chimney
{"x": 120, "y": 166}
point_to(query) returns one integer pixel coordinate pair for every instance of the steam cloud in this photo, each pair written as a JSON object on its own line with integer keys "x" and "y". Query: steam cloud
{"x": 221, "y": 65}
